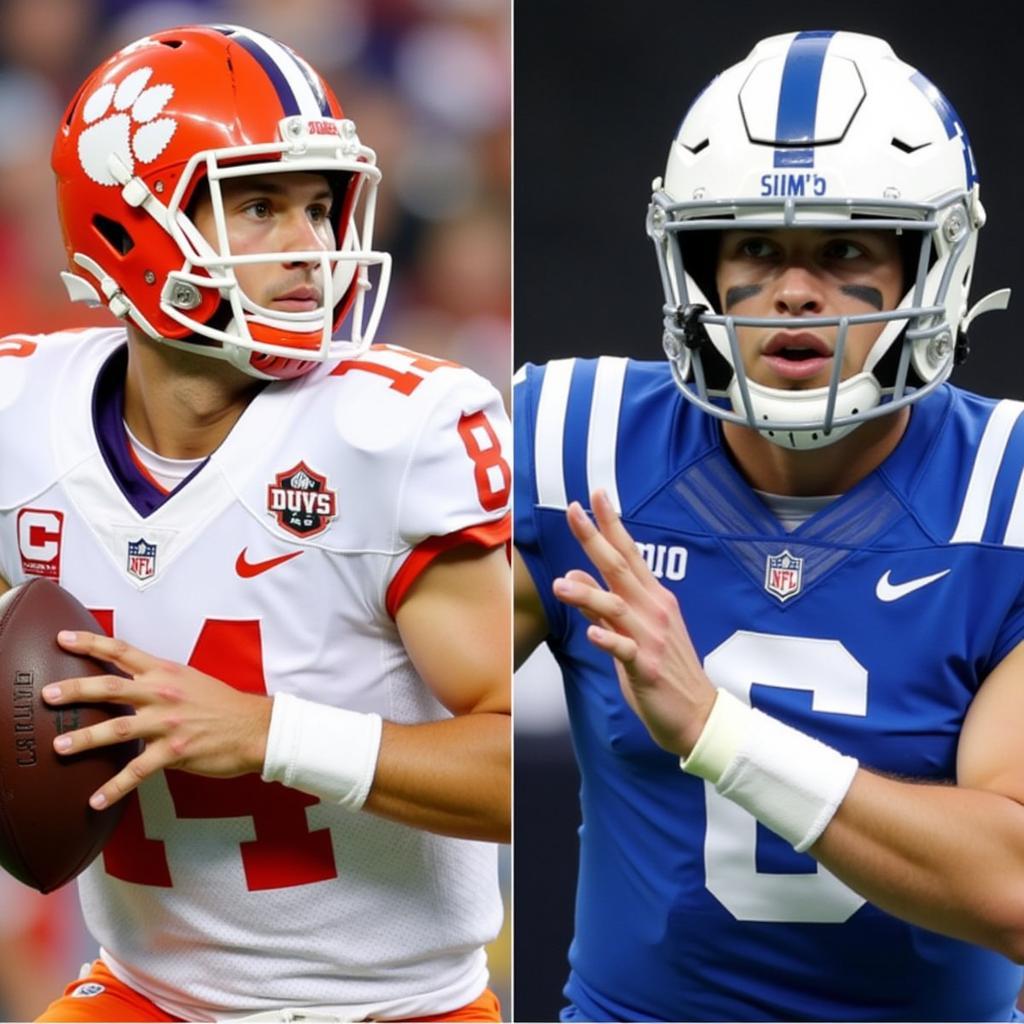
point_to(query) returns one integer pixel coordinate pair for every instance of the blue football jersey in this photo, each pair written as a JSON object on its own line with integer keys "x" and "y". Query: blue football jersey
{"x": 871, "y": 627}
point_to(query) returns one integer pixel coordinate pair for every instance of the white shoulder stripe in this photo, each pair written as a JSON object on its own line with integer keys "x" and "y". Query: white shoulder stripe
{"x": 1014, "y": 536}
{"x": 550, "y": 436}
{"x": 603, "y": 430}
{"x": 978, "y": 499}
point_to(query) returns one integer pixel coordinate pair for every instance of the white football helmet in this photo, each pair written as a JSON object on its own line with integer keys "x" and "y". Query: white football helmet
{"x": 815, "y": 130}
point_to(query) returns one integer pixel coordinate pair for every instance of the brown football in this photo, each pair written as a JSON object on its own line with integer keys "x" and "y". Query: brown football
{"x": 48, "y": 831}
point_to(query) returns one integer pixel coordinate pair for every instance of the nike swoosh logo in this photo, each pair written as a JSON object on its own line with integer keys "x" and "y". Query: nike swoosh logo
{"x": 247, "y": 569}
{"x": 888, "y": 591}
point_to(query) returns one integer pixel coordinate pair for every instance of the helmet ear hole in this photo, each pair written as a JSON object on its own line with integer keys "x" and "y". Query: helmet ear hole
{"x": 700, "y": 259}
{"x": 114, "y": 234}
{"x": 886, "y": 369}
{"x": 718, "y": 373}
{"x": 909, "y": 243}
{"x": 343, "y": 186}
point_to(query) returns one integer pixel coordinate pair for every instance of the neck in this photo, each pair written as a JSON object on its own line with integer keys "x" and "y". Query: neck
{"x": 830, "y": 470}
{"x": 179, "y": 404}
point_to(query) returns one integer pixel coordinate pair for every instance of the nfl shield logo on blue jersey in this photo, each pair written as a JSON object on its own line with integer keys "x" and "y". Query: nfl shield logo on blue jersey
{"x": 141, "y": 559}
{"x": 783, "y": 574}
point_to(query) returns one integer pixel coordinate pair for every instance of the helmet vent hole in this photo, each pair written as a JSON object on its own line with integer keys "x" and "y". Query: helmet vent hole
{"x": 172, "y": 43}
{"x": 113, "y": 234}
{"x": 700, "y": 146}
{"x": 906, "y": 147}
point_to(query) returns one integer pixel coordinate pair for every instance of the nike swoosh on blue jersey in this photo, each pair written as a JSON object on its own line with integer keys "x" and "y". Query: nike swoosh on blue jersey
{"x": 888, "y": 591}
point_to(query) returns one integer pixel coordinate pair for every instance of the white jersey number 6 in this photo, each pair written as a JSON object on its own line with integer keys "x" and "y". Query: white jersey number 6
{"x": 838, "y": 684}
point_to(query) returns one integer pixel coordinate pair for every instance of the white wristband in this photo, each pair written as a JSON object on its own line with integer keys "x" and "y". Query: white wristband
{"x": 328, "y": 752}
{"x": 789, "y": 781}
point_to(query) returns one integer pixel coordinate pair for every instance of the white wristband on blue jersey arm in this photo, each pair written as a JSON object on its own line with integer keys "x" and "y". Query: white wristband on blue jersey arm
{"x": 789, "y": 781}
{"x": 328, "y": 752}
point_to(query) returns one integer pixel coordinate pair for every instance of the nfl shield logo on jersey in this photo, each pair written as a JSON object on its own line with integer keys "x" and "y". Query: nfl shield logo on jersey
{"x": 783, "y": 575}
{"x": 141, "y": 559}
{"x": 301, "y": 501}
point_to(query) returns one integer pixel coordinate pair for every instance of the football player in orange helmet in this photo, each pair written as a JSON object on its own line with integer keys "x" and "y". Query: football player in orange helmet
{"x": 280, "y": 526}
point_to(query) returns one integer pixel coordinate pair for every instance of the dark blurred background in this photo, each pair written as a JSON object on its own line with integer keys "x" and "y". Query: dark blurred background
{"x": 599, "y": 92}
{"x": 428, "y": 83}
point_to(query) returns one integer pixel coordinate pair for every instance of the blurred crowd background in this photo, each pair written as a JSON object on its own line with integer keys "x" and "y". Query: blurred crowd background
{"x": 428, "y": 84}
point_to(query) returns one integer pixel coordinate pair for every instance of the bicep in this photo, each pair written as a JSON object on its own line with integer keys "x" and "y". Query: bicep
{"x": 531, "y": 624}
{"x": 454, "y": 623}
{"x": 988, "y": 756}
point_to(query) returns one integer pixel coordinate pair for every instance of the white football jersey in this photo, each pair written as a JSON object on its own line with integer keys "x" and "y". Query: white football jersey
{"x": 276, "y": 567}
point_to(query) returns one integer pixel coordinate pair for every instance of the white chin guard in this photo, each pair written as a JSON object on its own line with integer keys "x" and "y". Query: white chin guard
{"x": 858, "y": 394}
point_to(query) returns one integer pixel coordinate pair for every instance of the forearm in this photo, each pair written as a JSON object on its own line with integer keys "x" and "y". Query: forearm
{"x": 454, "y": 776}
{"x": 945, "y": 857}
{"x": 948, "y": 858}
{"x": 451, "y": 776}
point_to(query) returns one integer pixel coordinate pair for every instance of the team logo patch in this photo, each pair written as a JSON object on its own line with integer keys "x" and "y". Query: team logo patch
{"x": 40, "y": 531}
{"x": 89, "y": 989}
{"x": 301, "y": 501}
{"x": 783, "y": 575}
{"x": 141, "y": 559}
{"x": 122, "y": 119}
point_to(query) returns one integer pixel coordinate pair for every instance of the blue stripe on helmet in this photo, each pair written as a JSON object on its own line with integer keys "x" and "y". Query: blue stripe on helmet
{"x": 289, "y": 101}
{"x": 798, "y": 98}
{"x": 950, "y": 121}
{"x": 315, "y": 84}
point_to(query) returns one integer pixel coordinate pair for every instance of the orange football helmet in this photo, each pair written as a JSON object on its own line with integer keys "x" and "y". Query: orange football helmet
{"x": 205, "y": 103}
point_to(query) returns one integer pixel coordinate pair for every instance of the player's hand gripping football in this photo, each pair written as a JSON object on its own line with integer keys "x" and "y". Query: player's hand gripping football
{"x": 188, "y": 720}
{"x": 637, "y": 621}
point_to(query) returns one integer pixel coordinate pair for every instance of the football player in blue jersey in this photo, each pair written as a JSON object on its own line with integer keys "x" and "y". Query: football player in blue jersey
{"x": 791, "y": 642}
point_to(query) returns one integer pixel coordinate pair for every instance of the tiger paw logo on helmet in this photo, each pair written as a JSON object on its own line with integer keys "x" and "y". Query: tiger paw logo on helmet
{"x": 123, "y": 119}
